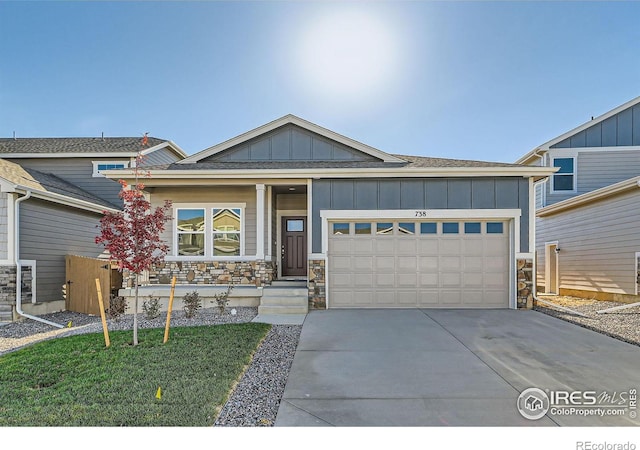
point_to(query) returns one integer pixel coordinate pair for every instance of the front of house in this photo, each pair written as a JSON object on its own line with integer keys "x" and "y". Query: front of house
{"x": 363, "y": 228}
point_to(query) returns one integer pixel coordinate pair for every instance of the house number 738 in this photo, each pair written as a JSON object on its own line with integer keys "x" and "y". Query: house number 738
{"x": 421, "y": 214}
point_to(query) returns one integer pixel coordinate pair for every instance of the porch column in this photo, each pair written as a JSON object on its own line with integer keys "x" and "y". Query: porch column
{"x": 260, "y": 221}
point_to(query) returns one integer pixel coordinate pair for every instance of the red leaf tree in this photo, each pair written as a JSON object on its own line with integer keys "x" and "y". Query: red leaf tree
{"x": 132, "y": 236}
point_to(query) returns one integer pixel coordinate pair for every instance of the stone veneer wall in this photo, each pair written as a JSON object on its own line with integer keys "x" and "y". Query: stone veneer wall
{"x": 258, "y": 273}
{"x": 8, "y": 289}
{"x": 525, "y": 283}
{"x": 317, "y": 284}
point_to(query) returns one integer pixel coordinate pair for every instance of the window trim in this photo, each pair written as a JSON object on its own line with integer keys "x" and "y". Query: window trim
{"x": 209, "y": 232}
{"x": 96, "y": 172}
{"x": 574, "y": 174}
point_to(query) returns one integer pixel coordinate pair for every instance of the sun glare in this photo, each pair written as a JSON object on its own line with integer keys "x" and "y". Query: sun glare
{"x": 348, "y": 55}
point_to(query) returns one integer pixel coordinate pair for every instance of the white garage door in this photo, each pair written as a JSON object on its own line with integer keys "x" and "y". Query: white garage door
{"x": 446, "y": 264}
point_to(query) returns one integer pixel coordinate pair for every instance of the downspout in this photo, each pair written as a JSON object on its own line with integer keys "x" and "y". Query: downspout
{"x": 16, "y": 235}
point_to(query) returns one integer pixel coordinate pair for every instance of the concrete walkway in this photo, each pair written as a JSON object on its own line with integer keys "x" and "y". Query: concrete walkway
{"x": 446, "y": 367}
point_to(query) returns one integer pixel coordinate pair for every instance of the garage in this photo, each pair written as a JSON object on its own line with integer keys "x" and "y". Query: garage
{"x": 424, "y": 264}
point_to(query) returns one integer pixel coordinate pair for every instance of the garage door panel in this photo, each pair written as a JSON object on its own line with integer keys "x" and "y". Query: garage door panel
{"x": 407, "y": 263}
{"x": 428, "y": 297}
{"x": 385, "y": 298}
{"x": 428, "y": 280}
{"x": 385, "y": 263}
{"x": 451, "y": 263}
{"x": 451, "y": 297}
{"x": 495, "y": 263}
{"x": 474, "y": 263}
{"x": 428, "y": 245}
{"x": 450, "y": 279}
{"x": 450, "y": 246}
{"x": 406, "y": 246}
{"x": 473, "y": 246}
{"x": 384, "y": 245}
{"x": 407, "y": 279}
{"x": 362, "y": 246}
{"x": 473, "y": 280}
{"x": 472, "y": 296}
{"x": 385, "y": 280}
{"x": 341, "y": 280}
{"x": 407, "y": 298}
{"x": 341, "y": 262}
{"x": 362, "y": 263}
{"x": 428, "y": 263}
{"x": 362, "y": 280}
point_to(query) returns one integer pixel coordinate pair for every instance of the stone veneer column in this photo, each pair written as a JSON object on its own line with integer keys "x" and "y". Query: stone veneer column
{"x": 317, "y": 284}
{"x": 525, "y": 283}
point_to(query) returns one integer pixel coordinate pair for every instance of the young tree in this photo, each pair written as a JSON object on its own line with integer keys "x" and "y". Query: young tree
{"x": 132, "y": 236}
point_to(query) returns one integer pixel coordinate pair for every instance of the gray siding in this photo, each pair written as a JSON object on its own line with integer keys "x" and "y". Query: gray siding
{"x": 598, "y": 243}
{"x": 290, "y": 143}
{"x": 3, "y": 226}
{"x": 195, "y": 196}
{"x": 48, "y": 232}
{"x": 599, "y": 169}
{"x": 158, "y": 157}
{"x": 622, "y": 129}
{"x": 460, "y": 193}
{"x": 78, "y": 171}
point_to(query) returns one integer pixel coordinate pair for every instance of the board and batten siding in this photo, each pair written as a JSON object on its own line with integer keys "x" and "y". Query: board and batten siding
{"x": 49, "y": 232}
{"x": 78, "y": 171}
{"x": 430, "y": 193}
{"x": 4, "y": 232}
{"x": 598, "y": 243}
{"x": 597, "y": 169}
{"x": 211, "y": 195}
{"x": 290, "y": 143}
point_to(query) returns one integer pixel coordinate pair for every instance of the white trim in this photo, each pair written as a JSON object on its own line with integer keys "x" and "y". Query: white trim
{"x": 547, "y": 272}
{"x": 309, "y": 218}
{"x": 285, "y": 120}
{"x": 532, "y": 216}
{"x": 306, "y": 173}
{"x": 260, "y": 192}
{"x": 512, "y": 215}
{"x": 31, "y": 263}
{"x": 208, "y": 232}
{"x": 97, "y": 174}
{"x": 269, "y": 221}
{"x": 574, "y": 174}
{"x": 167, "y": 144}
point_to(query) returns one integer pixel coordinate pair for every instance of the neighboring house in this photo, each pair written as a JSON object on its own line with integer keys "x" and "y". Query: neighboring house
{"x": 81, "y": 161}
{"x": 588, "y": 212}
{"x": 358, "y": 226}
{"x": 52, "y": 197}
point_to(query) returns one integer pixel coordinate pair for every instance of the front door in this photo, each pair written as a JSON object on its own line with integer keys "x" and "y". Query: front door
{"x": 294, "y": 247}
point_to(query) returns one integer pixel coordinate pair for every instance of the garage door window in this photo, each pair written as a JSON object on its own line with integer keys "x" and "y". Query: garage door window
{"x": 428, "y": 228}
{"x": 407, "y": 228}
{"x": 384, "y": 228}
{"x": 340, "y": 228}
{"x": 472, "y": 228}
{"x": 451, "y": 228}
{"x": 363, "y": 228}
{"x": 495, "y": 228}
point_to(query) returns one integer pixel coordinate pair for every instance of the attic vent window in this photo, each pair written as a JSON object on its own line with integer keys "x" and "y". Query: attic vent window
{"x": 100, "y": 166}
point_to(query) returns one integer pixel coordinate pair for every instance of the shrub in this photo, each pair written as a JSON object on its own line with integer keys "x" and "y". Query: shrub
{"x": 191, "y": 304}
{"x": 117, "y": 306}
{"x": 222, "y": 299}
{"x": 151, "y": 307}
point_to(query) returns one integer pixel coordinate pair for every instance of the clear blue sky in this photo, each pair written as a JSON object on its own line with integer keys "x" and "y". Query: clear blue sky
{"x": 471, "y": 80}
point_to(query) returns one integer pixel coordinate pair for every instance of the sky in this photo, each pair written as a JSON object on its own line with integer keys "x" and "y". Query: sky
{"x": 467, "y": 80}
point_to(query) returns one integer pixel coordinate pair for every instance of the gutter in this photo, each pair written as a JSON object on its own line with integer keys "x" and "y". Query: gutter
{"x": 16, "y": 235}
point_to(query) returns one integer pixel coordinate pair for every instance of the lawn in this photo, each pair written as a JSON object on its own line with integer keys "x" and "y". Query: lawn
{"x": 76, "y": 381}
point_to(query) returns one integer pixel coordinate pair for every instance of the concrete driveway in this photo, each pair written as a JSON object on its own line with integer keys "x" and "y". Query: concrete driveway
{"x": 450, "y": 367}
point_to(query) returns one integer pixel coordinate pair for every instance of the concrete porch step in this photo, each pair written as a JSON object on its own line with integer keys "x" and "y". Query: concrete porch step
{"x": 288, "y": 283}
{"x": 284, "y": 300}
{"x": 284, "y": 292}
{"x": 282, "y": 309}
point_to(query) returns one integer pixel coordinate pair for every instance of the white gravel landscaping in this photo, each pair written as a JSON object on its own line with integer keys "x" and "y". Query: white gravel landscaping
{"x": 623, "y": 324}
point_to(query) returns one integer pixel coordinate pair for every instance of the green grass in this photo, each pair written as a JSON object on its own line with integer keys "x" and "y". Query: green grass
{"x": 76, "y": 381}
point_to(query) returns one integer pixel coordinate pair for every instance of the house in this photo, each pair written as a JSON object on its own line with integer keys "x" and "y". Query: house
{"x": 357, "y": 227}
{"x": 52, "y": 196}
{"x": 587, "y": 213}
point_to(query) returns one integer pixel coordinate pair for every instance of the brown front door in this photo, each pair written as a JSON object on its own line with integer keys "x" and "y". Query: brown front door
{"x": 294, "y": 246}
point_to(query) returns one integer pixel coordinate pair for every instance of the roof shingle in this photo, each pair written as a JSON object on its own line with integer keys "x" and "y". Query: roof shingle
{"x": 75, "y": 145}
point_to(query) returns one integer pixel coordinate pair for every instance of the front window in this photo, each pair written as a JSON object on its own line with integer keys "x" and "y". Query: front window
{"x": 226, "y": 231}
{"x": 564, "y": 178}
{"x": 191, "y": 232}
{"x": 214, "y": 230}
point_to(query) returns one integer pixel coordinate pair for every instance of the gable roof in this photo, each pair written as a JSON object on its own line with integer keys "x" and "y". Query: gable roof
{"x": 285, "y": 120}
{"x": 14, "y": 177}
{"x": 535, "y": 153}
{"x": 82, "y": 147}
